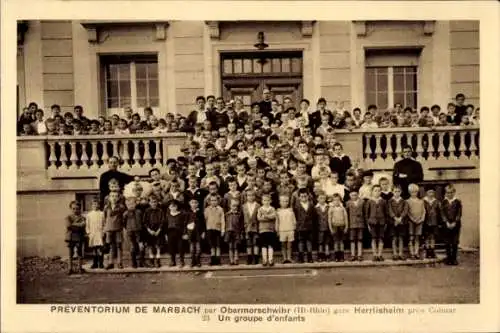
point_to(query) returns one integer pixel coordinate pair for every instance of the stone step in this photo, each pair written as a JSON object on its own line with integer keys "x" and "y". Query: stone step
{"x": 367, "y": 262}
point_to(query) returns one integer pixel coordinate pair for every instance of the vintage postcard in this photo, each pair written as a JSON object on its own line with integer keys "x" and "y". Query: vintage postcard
{"x": 206, "y": 166}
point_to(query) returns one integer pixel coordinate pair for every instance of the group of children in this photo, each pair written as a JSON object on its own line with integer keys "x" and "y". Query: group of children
{"x": 220, "y": 113}
{"x": 259, "y": 204}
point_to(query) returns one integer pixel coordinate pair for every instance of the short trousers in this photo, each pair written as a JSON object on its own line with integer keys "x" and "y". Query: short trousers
{"x": 251, "y": 238}
{"x": 114, "y": 237}
{"x": 356, "y": 234}
{"x": 324, "y": 237}
{"x": 154, "y": 241}
{"x": 377, "y": 231}
{"x": 431, "y": 230}
{"x": 415, "y": 229}
{"x": 338, "y": 233}
{"x": 214, "y": 238}
{"x": 232, "y": 237}
{"x": 304, "y": 236}
{"x": 399, "y": 230}
{"x": 267, "y": 239}
{"x": 287, "y": 236}
{"x": 135, "y": 236}
{"x": 194, "y": 236}
{"x": 76, "y": 245}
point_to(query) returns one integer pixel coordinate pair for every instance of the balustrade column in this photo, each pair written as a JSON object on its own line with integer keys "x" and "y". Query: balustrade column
{"x": 52, "y": 155}
{"x": 147, "y": 155}
{"x": 85, "y": 157}
{"x": 419, "y": 149}
{"x": 74, "y": 156}
{"x": 137, "y": 156}
{"x": 94, "y": 157}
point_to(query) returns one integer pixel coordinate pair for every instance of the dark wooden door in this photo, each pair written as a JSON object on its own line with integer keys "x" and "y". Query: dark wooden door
{"x": 245, "y": 75}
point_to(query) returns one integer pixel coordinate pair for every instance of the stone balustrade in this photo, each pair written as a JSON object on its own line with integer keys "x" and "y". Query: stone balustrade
{"x": 441, "y": 148}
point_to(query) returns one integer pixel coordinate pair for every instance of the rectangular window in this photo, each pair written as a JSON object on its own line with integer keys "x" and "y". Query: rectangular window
{"x": 130, "y": 81}
{"x": 385, "y": 86}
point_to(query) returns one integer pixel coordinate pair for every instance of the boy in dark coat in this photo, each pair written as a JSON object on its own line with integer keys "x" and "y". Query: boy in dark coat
{"x": 305, "y": 214}
{"x": 451, "y": 213}
{"x": 195, "y": 225}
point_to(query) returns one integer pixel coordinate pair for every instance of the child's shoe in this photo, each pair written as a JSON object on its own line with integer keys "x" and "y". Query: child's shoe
{"x": 120, "y": 266}
{"x": 152, "y": 262}
{"x": 395, "y": 258}
{"x": 301, "y": 258}
{"x": 271, "y": 263}
{"x": 110, "y": 266}
{"x": 360, "y": 258}
{"x": 158, "y": 263}
{"x": 101, "y": 262}
{"x": 95, "y": 263}
{"x": 172, "y": 263}
{"x": 381, "y": 258}
{"x": 310, "y": 257}
{"x": 181, "y": 264}
{"x": 353, "y": 258}
{"x": 198, "y": 260}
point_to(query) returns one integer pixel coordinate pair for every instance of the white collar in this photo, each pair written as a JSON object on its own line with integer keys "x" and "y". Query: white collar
{"x": 429, "y": 200}
{"x": 451, "y": 200}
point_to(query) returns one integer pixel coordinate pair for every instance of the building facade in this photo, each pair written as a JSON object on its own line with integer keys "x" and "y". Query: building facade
{"x": 106, "y": 66}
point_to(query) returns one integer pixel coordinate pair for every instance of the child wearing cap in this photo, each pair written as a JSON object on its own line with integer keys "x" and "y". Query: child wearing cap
{"x": 433, "y": 211}
{"x": 75, "y": 235}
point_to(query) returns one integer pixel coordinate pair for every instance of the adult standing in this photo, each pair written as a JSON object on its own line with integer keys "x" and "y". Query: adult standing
{"x": 200, "y": 114}
{"x": 265, "y": 106}
{"x": 460, "y": 108}
{"x": 112, "y": 173}
{"x": 407, "y": 171}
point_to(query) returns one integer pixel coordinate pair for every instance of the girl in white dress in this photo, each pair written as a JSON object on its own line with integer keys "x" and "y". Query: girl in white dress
{"x": 95, "y": 226}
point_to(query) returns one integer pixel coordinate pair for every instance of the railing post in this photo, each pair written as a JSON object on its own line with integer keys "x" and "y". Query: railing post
{"x": 94, "y": 157}
{"x": 74, "y": 156}
{"x": 52, "y": 155}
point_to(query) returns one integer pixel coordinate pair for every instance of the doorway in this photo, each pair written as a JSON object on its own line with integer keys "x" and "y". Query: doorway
{"x": 246, "y": 74}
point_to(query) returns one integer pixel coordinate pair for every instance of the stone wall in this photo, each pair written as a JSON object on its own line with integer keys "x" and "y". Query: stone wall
{"x": 464, "y": 45}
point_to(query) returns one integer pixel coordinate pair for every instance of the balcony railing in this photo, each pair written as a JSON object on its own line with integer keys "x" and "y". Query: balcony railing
{"x": 454, "y": 150}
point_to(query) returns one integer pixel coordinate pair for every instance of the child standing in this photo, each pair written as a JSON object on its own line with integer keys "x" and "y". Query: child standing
{"x": 451, "y": 213}
{"x": 266, "y": 215}
{"x": 94, "y": 224}
{"x": 338, "y": 222}
{"x": 154, "y": 219}
{"x": 305, "y": 216}
{"x": 176, "y": 231}
{"x": 234, "y": 229}
{"x": 285, "y": 225}
{"x": 355, "y": 210}
{"x": 416, "y": 217}
{"x": 216, "y": 224}
{"x": 324, "y": 239}
{"x": 433, "y": 211}
{"x": 376, "y": 216}
{"x": 195, "y": 225}
{"x": 250, "y": 208}
{"x": 398, "y": 212}
{"x": 133, "y": 224}
{"x": 75, "y": 235}
{"x": 113, "y": 227}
